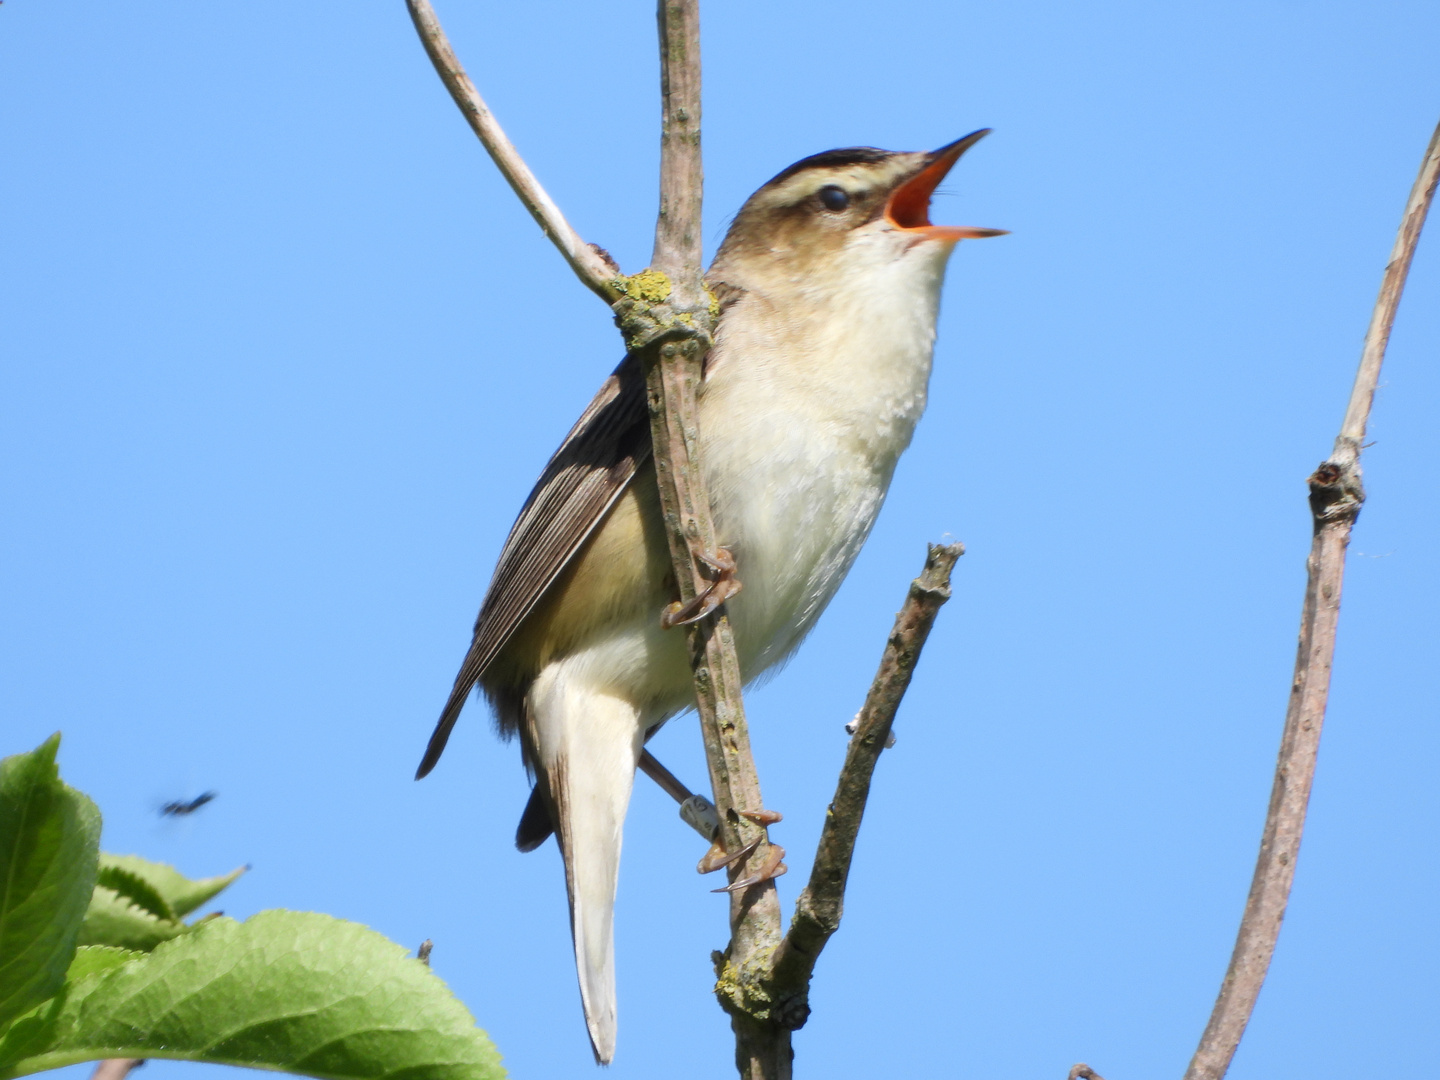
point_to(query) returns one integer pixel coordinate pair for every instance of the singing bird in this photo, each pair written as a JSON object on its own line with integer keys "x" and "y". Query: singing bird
{"x": 829, "y": 286}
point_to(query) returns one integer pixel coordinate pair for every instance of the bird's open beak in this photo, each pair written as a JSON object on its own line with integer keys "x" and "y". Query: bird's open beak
{"x": 909, "y": 205}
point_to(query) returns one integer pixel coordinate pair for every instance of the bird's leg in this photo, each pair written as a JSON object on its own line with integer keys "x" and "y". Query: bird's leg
{"x": 717, "y": 858}
{"x": 725, "y": 585}
{"x": 668, "y": 781}
{"x": 695, "y": 810}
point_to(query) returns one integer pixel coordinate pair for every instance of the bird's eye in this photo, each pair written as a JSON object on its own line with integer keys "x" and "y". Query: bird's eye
{"x": 834, "y": 198}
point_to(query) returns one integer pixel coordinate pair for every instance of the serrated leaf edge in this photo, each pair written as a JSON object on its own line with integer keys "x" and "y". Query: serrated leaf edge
{"x": 130, "y": 907}
{"x": 106, "y": 878}
{"x": 201, "y": 889}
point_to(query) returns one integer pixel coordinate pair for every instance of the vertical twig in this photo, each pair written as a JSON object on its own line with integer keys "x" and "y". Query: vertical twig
{"x": 668, "y": 317}
{"x": 682, "y": 174}
{"x": 589, "y": 266}
{"x": 673, "y": 337}
{"x": 1336, "y": 494}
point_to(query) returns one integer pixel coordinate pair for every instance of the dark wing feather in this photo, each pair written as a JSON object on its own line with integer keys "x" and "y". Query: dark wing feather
{"x": 582, "y": 481}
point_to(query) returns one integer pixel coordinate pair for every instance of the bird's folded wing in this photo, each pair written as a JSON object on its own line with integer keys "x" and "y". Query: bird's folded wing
{"x": 584, "y": 478}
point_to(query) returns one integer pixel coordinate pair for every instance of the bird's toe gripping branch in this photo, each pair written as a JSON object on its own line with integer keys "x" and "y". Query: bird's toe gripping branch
{"x": 725, "y": 585}
{"x": 717, "y": 858}
{"x": 772, "y": 867}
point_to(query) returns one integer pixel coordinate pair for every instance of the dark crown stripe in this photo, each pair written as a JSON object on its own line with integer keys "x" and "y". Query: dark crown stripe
{"x": 832, "y": 159}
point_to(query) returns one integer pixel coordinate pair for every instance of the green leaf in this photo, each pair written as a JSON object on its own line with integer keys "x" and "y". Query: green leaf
{"x": 91, "y": 960}
{"x": 183, "y": 895}
{"x": 49, "y": 839}
{"x": 286, "y": 990}
{"x": 113, "y": 920}
{"x": 133, "y": 888}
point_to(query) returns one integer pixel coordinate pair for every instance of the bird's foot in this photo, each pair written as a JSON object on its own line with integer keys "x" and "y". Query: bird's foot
{"x": 717, "y": 858}
{"x": 722, "y": 564}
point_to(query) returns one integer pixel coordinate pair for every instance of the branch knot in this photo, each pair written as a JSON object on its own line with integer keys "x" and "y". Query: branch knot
{"x": 648, "y": 313}
{"x": 1336, "y": 493}
{"x": 751, "y": 990}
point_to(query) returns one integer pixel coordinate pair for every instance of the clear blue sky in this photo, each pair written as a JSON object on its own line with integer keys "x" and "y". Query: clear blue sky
{"x": 282, "y": 357}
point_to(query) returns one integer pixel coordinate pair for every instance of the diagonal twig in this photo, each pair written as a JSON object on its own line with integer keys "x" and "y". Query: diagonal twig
{"x": 598, "y": 275}
{"x": 818, "y": 910}
{"x": 1336, "y": 494}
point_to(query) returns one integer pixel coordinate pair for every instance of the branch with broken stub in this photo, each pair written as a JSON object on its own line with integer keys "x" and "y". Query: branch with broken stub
{"x": 764, "y": 978}
{"x": 1336, "y": 494}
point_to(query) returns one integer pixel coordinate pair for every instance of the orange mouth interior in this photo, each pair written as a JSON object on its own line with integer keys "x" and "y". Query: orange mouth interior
{"x": 909, "y": 205}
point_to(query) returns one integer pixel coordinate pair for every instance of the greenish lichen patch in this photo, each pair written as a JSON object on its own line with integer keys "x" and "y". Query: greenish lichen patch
{"x": 648, "y": 286}
{"x": 645, "y": 312}
{"x": 745, "y": 989}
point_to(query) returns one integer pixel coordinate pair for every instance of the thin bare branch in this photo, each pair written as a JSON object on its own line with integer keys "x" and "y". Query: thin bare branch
{"x": 670, "y": 328}
{"x": 673, "y": 377}
{"x": 116, "y": 1068}
{"x": 668, "y": 318}
{"x": 682, "y": 176}
{"x": 1336, "y": 495}
{"x": 818, "y": 910}
{"x": 1357, "y": 415}
{"x": 593, "y": 269}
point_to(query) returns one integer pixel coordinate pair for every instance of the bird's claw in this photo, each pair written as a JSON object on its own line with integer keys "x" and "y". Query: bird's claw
{"x": 772, "y": 867}
{"x": 717, "y": 858}
{"x": 722, "y": 564}
{"x": 762, "y": 817}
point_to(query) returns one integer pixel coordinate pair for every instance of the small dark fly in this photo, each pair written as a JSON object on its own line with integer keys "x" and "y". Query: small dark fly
{"x": 183, "y": 809}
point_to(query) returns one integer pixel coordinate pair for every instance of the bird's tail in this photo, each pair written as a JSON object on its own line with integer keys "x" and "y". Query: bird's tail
{"x": 587, "y": 745}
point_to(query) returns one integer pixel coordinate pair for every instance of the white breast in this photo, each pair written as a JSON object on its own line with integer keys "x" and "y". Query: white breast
{"x": 813, "y": 392}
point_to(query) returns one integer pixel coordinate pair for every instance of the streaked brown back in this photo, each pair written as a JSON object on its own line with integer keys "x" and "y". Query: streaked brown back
{"x": 582, "y": 481}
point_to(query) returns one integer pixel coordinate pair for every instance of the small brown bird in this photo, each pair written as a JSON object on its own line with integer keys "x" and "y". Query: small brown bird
{"x": 829, "y": 284}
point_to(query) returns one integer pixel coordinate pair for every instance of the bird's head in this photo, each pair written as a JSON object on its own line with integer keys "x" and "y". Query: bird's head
{"x": 839, "y": 212}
